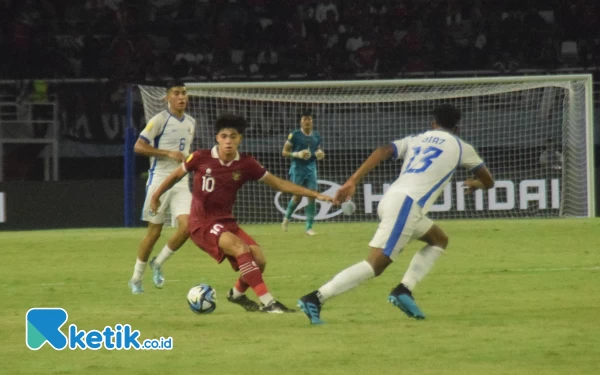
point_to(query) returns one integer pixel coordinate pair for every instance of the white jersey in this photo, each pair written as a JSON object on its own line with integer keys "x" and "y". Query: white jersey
{"x": 430, "y": 160}
{"x": 167, "y": 132}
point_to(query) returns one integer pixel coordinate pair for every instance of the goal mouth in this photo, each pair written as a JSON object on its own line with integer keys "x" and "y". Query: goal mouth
{"x": 534, "y": 134}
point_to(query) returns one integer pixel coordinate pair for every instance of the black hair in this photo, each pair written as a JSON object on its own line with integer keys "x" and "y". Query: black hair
{"x": 172, "y": 84}
{"x": 306, "y": 113}
{"x": 231, "y": 121}
{"x": 447, "y": 116}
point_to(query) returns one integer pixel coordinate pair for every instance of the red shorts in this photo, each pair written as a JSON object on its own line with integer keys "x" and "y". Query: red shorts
{"x": 207, "y": 239}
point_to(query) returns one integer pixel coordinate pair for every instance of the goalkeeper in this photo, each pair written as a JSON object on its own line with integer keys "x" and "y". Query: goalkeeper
{"x": 304, "y": 147}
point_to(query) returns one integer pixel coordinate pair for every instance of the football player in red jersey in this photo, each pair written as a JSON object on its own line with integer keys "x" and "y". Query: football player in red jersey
{"x": 219, "y": 174}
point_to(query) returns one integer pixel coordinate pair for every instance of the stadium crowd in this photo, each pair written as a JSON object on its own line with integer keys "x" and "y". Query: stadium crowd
{"x": 149, "y": 39}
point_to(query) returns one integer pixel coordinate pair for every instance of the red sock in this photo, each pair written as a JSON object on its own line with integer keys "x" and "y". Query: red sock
{"x": 251, "y": 275}
{"x": 241, "y": 286}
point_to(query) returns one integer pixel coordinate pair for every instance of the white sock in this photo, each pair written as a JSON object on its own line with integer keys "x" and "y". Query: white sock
{"x": 420, "y": 265}
{"x": 164, "y": 254}
{"x": 138, "y": 270}
{"x": 236, "y": 293}
{"x": 346, "y": 280}
{"x": 265, "y": 298}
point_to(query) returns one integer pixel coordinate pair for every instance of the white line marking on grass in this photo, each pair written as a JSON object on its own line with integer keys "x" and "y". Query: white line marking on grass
{"x": 531, "y": 270}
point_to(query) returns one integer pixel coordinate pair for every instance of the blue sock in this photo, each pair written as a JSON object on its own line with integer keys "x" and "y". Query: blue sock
{"x": 290, "y": 208}
{"x": 310, "y": 214}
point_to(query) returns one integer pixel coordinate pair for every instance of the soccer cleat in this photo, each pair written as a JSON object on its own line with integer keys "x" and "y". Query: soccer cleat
{"x": 402, "y": 298}
{"x": 284, "y": 224}
{"x": 136, "y": 287}
{"x": 311, "y": 232}
{"x": 157, "y": 276}
{"x": 243, "y": 301}
{"x": 311, "y": 306}
{"x": 275, "y": 307}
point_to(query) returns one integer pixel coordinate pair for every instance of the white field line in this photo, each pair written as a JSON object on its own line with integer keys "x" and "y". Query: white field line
{"x": 549, "y": 269}
{"x": 200, "y": 279}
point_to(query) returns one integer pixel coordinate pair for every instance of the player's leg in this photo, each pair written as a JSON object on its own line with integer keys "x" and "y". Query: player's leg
{"x": 155, "y": 223}
{"x": 420, "y": 265}
{"x": 241, "y": 286}
{"x": 293, "y": 203}
{"x": 237, "y": 294}
{"x": 310, "y": 182}
{"x": 207, "y": 239}
{"x": 180, "y": 203}
{"x": 144, "y": 250}
{"x": 234, "y": 247}
{"x": 393, "y": 233}
{"x": 424, "y": 259}
{"x": 344, "y": 281}
{"x": 173, "y": 244}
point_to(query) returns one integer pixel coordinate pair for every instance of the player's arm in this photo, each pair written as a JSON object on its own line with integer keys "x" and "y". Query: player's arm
{"x": 142, "y": 147}
{"x": 288, "y": 187}
{"x": 380, "y": 154}
{"x": 483, "y": 180}
{"x": 168, "y": 183}
{"x": 287, "y": 150}
{"x": 319, "y": 154}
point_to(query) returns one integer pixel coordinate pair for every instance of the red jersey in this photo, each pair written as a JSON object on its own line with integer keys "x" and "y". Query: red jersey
{"x": 216, "y": 184}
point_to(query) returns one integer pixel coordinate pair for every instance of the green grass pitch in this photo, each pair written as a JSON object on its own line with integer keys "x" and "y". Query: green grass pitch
{"x": 507, "y": 297}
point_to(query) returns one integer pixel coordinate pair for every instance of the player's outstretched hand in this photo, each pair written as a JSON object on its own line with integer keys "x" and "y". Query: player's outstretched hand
{"x": 320, "y": 155}
{"x": 154, "y": 205}
{"x": 344, "y": 193}
{"x": 325, "y": 198}
{"x": 177, "y": 156}
{"x": 472, "y": 185}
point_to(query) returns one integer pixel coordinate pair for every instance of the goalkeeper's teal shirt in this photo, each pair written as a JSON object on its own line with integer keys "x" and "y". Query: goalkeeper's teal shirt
{"x": 299, "y": 142}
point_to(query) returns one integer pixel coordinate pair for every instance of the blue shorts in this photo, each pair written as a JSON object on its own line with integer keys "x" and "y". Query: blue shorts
{"x": 307, "y": 180}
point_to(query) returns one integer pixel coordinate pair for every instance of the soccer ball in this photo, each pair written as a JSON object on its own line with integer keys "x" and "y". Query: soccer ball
{"x": 202, "y": 299}
{"x": 348, "y": 208}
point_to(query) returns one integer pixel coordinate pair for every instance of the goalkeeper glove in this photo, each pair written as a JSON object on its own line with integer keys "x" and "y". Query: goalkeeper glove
{"x": 320, "y": 154}
{"x": 304, "y": 154}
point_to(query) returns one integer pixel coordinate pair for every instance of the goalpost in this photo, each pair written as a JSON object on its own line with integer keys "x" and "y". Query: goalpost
{"x": 535, "y": 133}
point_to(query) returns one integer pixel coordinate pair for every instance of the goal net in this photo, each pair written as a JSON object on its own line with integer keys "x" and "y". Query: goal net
{"x": 534, "y": 134}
